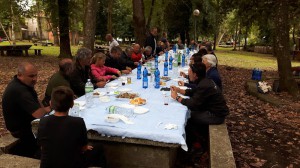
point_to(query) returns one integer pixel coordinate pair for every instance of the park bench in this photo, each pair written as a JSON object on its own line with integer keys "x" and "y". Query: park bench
{"x": 7, "y": 142}
{"x": 46, "y": 43}
{"x": 38, "y": 51}
{"x": 220, "y": 149}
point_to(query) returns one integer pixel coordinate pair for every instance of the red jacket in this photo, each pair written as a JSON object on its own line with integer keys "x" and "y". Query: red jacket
{"x": 136, "y": 57}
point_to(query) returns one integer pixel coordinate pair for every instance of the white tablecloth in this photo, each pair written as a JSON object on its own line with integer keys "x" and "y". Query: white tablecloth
{"x": 148, "y": 126}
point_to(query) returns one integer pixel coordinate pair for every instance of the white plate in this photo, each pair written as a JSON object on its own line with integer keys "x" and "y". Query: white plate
{"x": 140, "y": 110}
{"x": 112, "y": 84}
{"x": 123, "y": 90}
{"x": 111, "y": 119}
{"x": 122, "y": 78}
{"x": 126, "y": 105}
{"x": 104, "y": 99}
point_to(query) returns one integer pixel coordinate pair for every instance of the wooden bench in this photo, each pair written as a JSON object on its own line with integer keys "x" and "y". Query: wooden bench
{"x": 45, "y": 43}
{"x": 13, "y": 161}
{"x": 38, "y": 52}
{"x": 220, "y": 149}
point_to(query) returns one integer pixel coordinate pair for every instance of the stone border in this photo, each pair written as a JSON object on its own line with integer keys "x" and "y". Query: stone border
{"x": 220, "y": 149}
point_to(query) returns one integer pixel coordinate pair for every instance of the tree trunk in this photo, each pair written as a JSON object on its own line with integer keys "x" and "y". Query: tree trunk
{"x": 89, "y": 27}
{"x": 235, "y": 36}
{"x": 63, "y": 13}
{"x": 246, "y": 35}
{"x": 39, "y": 20}
{"x": 139, "y": 21}
{"x": 150, "y": 15}
{"x": 282, "y": 49}
{"x": 109, "y": 16}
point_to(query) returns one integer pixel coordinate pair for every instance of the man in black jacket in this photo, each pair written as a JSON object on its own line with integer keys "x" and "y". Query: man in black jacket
{"x": 206, "y": 102}
{"x": 82, "y": 72}
{"x": 115, "y": 60}
{"x": 151, "y": 41}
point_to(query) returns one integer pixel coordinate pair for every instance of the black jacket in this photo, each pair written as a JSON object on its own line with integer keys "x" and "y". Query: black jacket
{"x": 115, "y": 63}
{"x": 78, "y": 78}
{"x": 150, "y": 41}
{"x": 206, "y": 97}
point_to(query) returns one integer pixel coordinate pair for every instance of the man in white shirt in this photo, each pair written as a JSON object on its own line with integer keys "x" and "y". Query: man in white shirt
{"x": 112, "y": 41}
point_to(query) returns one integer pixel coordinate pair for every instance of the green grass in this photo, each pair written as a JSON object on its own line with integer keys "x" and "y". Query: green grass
{"x": 226, "y": 56}
{"x": 247, "y": 60}
{"x": 47, "y": 50}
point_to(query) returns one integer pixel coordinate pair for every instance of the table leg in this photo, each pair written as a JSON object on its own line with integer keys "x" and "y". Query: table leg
{"x": 39, "y": 52}
{"x": 26, "y": 52}
{"x": 35, "y": 52}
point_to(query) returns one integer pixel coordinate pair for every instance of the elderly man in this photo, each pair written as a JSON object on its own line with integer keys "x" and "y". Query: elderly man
{"x": 212, "y": 72}
{"x": 136, "y": 55}
{"x": 20, "y": 106}
{"x": 60, "y": 78}
{"x": 112, "y": 42}
{"x": 115, "y": 60}
{"x": 151, "y": 41}
{"x": 82, "y": 72}
{"x": 147, "y": 54}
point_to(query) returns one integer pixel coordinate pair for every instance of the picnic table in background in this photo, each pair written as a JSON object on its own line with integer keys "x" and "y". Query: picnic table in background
{"x": 14, "y": 50}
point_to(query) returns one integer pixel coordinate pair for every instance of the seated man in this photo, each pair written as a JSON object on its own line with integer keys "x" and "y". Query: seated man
{"x": 60, "y": 78}
{"x": 147, "y": 54}
{"x": 82, "y": 72}
{"x": 206, "y": 102}
{"x": 126, "y": 57}
{"x": 136, "y": 55}
{"x": 212, "y": 72}
{"x": 114, "y": 60}
{"x": 20, "y": 106}
{"x": 63, "y": 138}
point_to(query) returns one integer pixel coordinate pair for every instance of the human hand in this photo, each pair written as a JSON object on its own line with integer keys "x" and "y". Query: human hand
{"x": 173, "y": 92}
{"x": 87, "y": 147}
{"x": 119, "y": 73}
{"x": 180, "y": 83}
{"x": 129, "y": 69}
{"x": 126, "y": 71}
{"x": 114, "y": 77}
{"x": 101, "y": 84}
{"x": 182, "y": 74}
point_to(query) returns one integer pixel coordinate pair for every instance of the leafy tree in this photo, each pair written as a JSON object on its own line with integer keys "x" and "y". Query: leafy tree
{"x": 63, "y": 13}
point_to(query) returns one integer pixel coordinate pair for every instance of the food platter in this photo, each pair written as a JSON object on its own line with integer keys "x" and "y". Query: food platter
{"x": 138, "y": 101}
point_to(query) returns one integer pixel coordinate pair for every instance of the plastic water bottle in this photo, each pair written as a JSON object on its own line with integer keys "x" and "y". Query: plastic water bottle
{"x": 119, "y": 110}
{"x": 174, "y": 49}
{"x": 157, "y": 78}
{"x": 166, "y": 56}
{"x": 183, "y": 60}
{"x": 89, "y": 89}
{"x": 178, "y": 59}
{"x": 139, "y": 71}
{"x": 145, "y": 78}
{"x": 171, "y": 63}
{"x": 156, "y": 62}
{"x": 166, "y": 69}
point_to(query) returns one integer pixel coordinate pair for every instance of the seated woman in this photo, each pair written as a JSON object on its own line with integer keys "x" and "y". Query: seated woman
{"x": 206, "y": 102}
{"x": 212, "y": 72}
{"x": 99, "y": 71}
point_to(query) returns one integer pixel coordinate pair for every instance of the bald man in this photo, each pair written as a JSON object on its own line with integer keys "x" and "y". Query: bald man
{"x": 60, "y": 78}
{"x": 20, "y": 106}
{"x": 112, "y": 42}
{"x": 136, "y": 55}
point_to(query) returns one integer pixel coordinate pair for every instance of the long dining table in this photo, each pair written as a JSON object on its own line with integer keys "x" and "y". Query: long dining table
{"x": 152, "y": 138}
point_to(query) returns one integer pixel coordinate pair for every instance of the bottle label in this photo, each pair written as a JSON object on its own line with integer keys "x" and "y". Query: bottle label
{"x": 89, "y": 89}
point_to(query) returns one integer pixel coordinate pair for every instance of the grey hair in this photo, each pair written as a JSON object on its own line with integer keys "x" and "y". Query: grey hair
{"x": 148, "y": 48}
{"x": 83, "y": 53}
{"x": 22, "y": 67}
{"x": 211, "y": 59}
